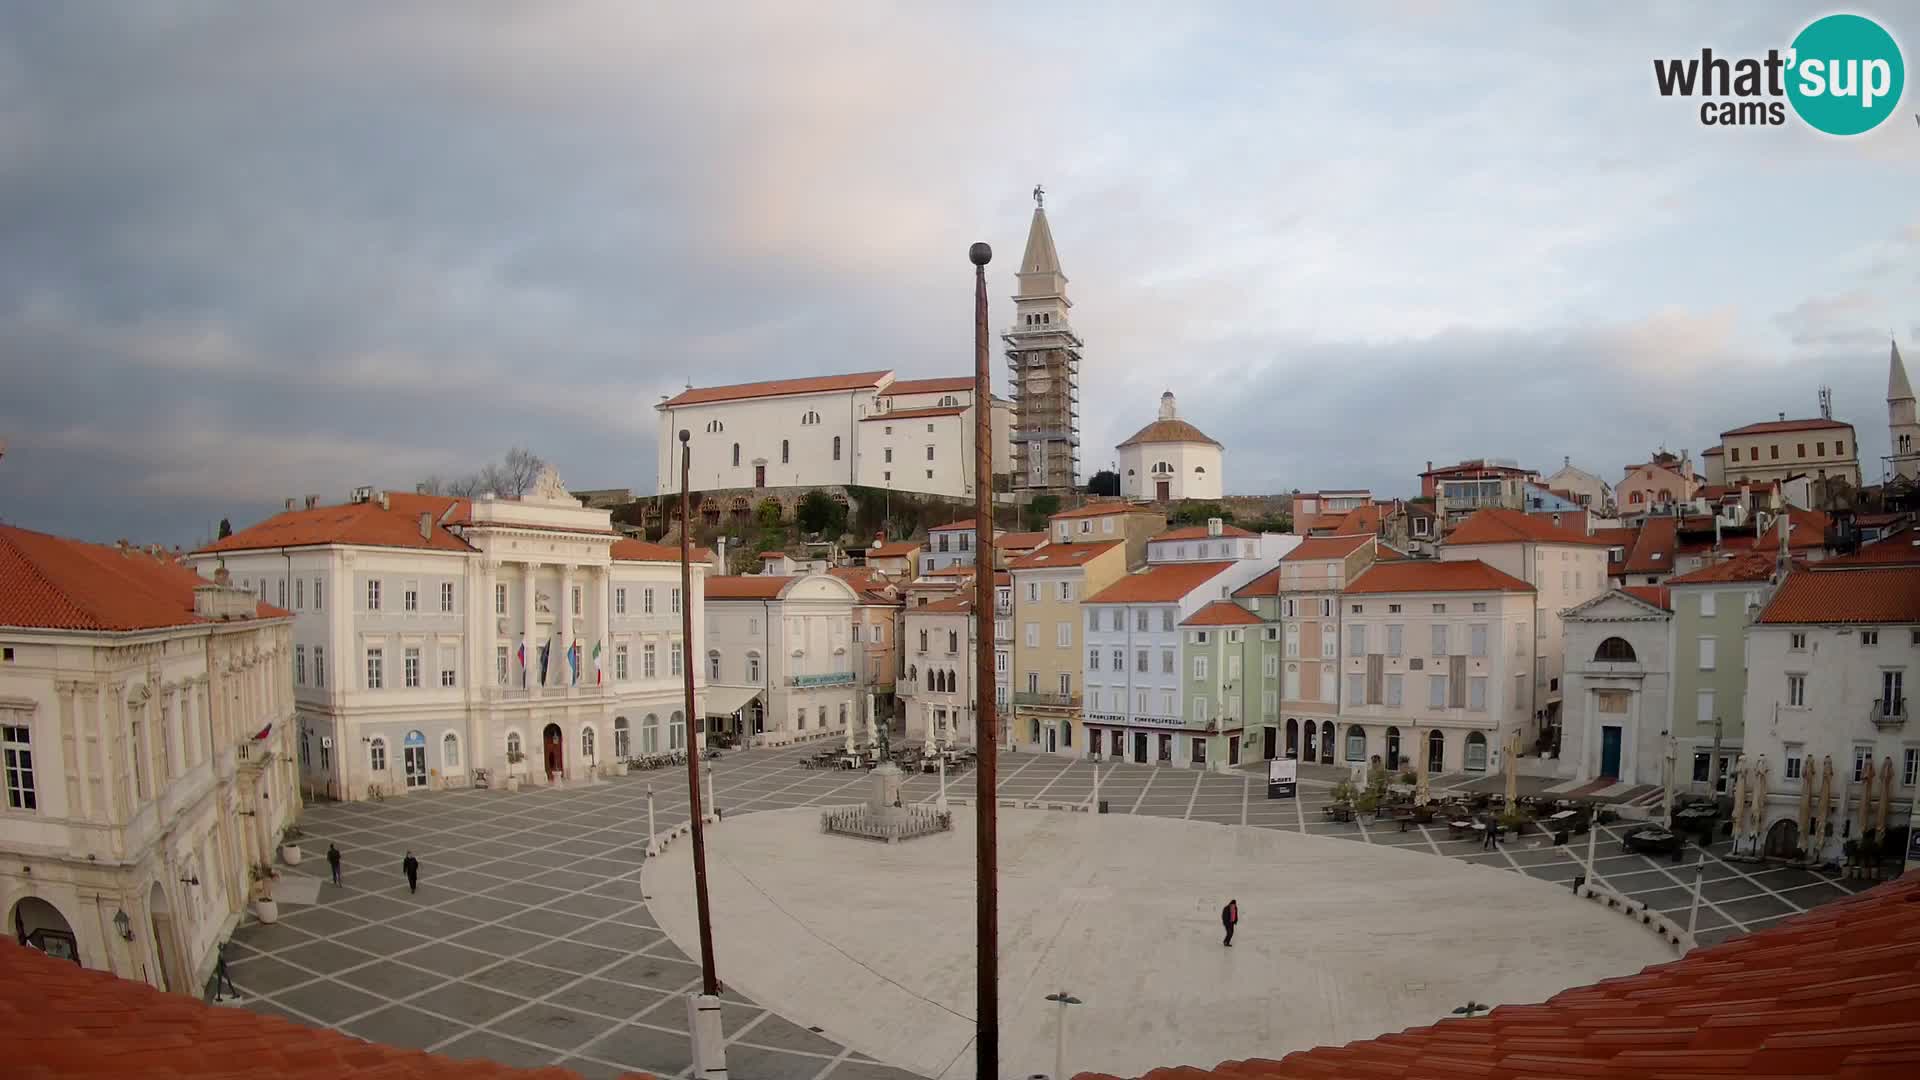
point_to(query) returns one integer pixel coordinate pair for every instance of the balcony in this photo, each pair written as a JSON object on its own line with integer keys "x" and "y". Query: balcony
{"x": 1888, "y": 715}
{"x": 1046, "y": 699}
{"x": 835, "y": 678}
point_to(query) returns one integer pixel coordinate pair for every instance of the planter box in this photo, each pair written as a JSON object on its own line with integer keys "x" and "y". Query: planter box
{"x": 266, "y": 910}
{"x": 513, "y": 783}
{"x": 290, "y": 854}
{"x": 619, "y": 768}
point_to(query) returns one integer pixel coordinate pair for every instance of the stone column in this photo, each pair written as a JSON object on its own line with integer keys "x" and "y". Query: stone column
{"x": 606, "y": 622}
{"x": 485, "y": 629}
{"x": 563, "y": 619}
{"x": 528, "y": 625}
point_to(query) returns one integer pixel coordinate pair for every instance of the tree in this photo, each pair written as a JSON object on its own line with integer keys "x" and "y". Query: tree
{"x": 1040, "y": 509}
{"x": 1104, "y": 482}
{"x": 768, "y": 514}
{"x": 821, "y": 514}
{"x": 1197, "y": 513}
{"x": 226, "y": 528}
{"x": 510, "y": 478}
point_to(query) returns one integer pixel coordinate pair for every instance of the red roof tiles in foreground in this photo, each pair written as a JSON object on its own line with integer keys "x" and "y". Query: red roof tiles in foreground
{"x": 1020, "y": 541}
{"x": 1161, "y": 583}
{"x": 1431, "y": 575}
{"x": 63, "y": 1021}
{"x": 365, "y": 524}
{"x": 859, "y": 380}
{"x": 896, "y": 550}
{"x": 1770, "y": 426}
{"x": 1831, "y": 993}
{"x": 959, "y": 384}
{"x": 1222, "y": 613}
{"x": 1652, "y": 551}
{"x": 1327, "y": 547}
{"x": 1809, "y": 530}
{"x": 1498, "y": 526}
{"x": 1853, "y": 596}
{"x": 52, "y": 583}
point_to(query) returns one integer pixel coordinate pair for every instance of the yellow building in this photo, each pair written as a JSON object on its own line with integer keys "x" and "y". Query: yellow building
{"x": 1048, "y": 587}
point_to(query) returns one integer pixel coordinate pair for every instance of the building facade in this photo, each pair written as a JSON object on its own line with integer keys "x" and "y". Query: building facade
{"x": 948, "y": 546}
{"x": 1043, "y": 368}
{"x": 942, "y": 671}
{"x": 1618, "y": 688}
{"x": 1712, "y": 609}
{"x": 1821, "y": 448}
{"x": 1219, "y": 645}
{"x": 1048, "y": 589}
{"x": 146, "y": 729}
{"x": 1587, "y": 489}
{"x": 780, "y": 653}
{"x": 1459, "y": 491}
{"x": 434, "y": 637}
{"x": 1903, "y": 427}
{"x": 1170, "y": 459}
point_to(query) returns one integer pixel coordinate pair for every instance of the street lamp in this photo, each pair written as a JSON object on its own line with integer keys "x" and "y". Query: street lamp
{"x": 123, "y": 925}
{"x": 1060, "y": 1043}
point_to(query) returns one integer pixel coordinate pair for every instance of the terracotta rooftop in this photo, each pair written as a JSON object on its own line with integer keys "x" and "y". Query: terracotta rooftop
{"x": 959, "y": 384}
{"x": 1748, "y": 566}
{"x": 1388, "y": 553}
{"x": 952, "y": 526}
{"x": 642, "y": 551}
{"x": 1160, "y": 583}
{"x": 952, "y": 605}
{"x": 1864, "y": 596}
{"x": 1652, "y": 551}
{"x": 361, "y": 524}
{"x": 1104, "y": 507}
{"x": 1019, "y": 541}
{"x": 1222, "y": 613}
{"x": 1198, "y": 532}
{"x": 915, "y": 414}
{"x": 1360, "y": 519}
{"x": 1830, "y": 993}
{"x": 1770, "y": 426}
{"x": 52, "y": 583}
{"x": 1327, "y": 547}
{"x": 748, "y": 586}
{"x": 1657, "y": 595}
{"x": 1432, "y": 575}
{"x": 64, "y": 1020}
{"x": 1499, "y": 526}
{"x": 1809, "y": 531}
{"x": 897, "y": 549}
{"x": 1267, "y": 584}
{"x": 1712, "y": 451}
{"x": 1900, "y": 548}
{"x": 823, "y": 384}
{"x": 1169, "y": 431}
{"x": 1055, "y": 556}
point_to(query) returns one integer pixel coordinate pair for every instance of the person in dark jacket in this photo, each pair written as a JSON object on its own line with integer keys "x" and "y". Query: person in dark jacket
{"x": 333, "y": 862}
{"x": 410, "y": 866}
{"x": 1491, "y": 841}
{"x": 1229, "y": 916}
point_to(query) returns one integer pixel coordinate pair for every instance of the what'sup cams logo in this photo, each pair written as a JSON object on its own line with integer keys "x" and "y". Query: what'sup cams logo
{"x": 1843, "y": 75}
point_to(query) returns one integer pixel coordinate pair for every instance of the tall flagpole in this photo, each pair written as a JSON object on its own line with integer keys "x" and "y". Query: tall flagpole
{"x": 708, "y": 980}
{"x": 986, "y": 735}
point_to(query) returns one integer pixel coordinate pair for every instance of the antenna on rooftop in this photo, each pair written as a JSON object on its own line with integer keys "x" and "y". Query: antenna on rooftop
{"x": 1826, "y": 403}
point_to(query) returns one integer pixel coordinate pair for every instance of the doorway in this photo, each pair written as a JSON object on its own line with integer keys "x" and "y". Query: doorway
{"x": 1052, "y": 739}
{"x": 1270, "y": 750}
{"x": 1309, "y": 753}
{"x": 1610, "y": 752}
{"x": 413, "y": 756}
{"x": 556, "y": 751}
{"x": 1163, "y": 490}
{"x": 162, "y": 928}
{"x": 40, "y": 925}
{"x": 759, "y": 476}
{"x": 1140, "y": 748}
{"x": 1393, "y": 749}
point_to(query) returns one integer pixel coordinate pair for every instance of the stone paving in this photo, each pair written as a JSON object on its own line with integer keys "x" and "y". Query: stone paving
{"x": 530, "y": 942}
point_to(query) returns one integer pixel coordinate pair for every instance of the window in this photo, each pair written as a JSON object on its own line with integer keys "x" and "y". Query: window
{"x": 1093, "y": 659}
{"x": 1797, "y": 641}
{"x": 319, "y": 665}
{"x": 16, "y": 747}
{"x": 410, "y": 598}
{"x": 1861, "y": 756}
{"x": 411, "y": 668}
{"x": 887, "y": 454}
{"x": 1033, "y": 682}
{"x": 953, "y": 642}
{"x": 1617, "y": 650}
{"x": 299, "y": 593}
{"x": 1329, "y": 642}
{"x": 753, "y": 667}
{"x": 1393, "y": 609}
{"x": 1356, "y": 688}
{"x": 1869, "y": 638}
{"x": 574, "y": 601}
{"x": 649, "y": 661}
{"x": 1063, "y": 634}
{"x": 1477, "y": 693}
{"x": 299, "y": 665}
{"x": 1796, "y": 758}
{"x": 836, "y": 448}
{"x": 447, "y": 676}
{"x": 1394, "y": 690}
{"x": 1893, "y": 700}
{"x": 1707, "y": 645}
{"x": 1200, "y": 710}
{"x": 1479, "y": 606}
{"x": 1707, "y": 607}
{"x": 923, "y": 640}
{"x": 1439, "y": 609}
{"x": 1702, "y": 762}
{"x": 1773, "y": 452}
{"x": 1840, "y": 446}
{"x": 377, "y": 754}
{"x": 1439, "y": 639}
{"x": 1797, "y": 691}
{"x": 1356, "y": 743}
{"x": 376, "y": 664}
{"x": 1910, "y": 766}
{"x": 674, "y": 602}
{"x": 1199, "y": 667}
{"x": 1093, "y": 620}
{"x": 1033, "y": 592}
{"x": 1735, "y": 452}
{"x": 1703, "y": 709}
{"x": 1000, "y": 663}
{"x": 1436, "y": 691}
{"x": 1066, "y": 591}
{"x": 674, "y": 659}
{"x": 736, "y": 455}
{"x": 713, "y": 666}
{"x": 1476, "y": 757}
{"x": 1393, "y": 639}
{"x": 1326, "y": 609}
{"x": 500, "y": 664}
{"x": 1357, "y": 640}
{"x": 499, "y": 599}
{"x": 282, "y": 583}
{"x": 929, "y": 453}
{"x": 586, "y": 743}
{"x": 786, "y": 452}
{"x": 1033, "y": 635}
{"x": 373, "y": 594}
{"x": 1290, "y": 608}
{"x": 1066, "y": 684}
{"x": 446, "y": 596}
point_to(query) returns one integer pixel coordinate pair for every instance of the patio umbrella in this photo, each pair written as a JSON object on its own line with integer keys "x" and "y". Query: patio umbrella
{"x": 1513, "y": 776}
{"x": 1759, "y": 798}
{"x": 1739, "y": 800}
{"x": 1886, "y": 793}
{"x": 1422, "y": 794}
{"x": 1867, "y": 776}
{"x": 1825, "y": 810}
{"x": 1808, "y": 780}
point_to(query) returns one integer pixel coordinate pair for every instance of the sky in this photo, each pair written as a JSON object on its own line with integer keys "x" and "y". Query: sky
{"x": 254, "y": 251}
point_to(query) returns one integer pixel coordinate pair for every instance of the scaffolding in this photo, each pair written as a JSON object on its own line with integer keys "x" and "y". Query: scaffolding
{"x": 1043, "y": 367}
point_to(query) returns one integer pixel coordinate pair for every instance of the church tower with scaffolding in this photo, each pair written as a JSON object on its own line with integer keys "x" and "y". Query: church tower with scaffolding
{"x": 1043, "y": 362}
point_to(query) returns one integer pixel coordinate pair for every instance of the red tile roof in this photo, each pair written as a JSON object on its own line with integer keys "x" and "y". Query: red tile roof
{"x": 1160, "y": 583}
{"x": 770, "y": 556}
{"x": 1102, "y": 508}
{"x": 959, "y": 384}
{"x": 52, "y": 583}
{"x": 1656, "y": 595}
{"x": 63, "y": 1020}
{"x": 1829, "y": 993}
{"x": 1712, "y": 451}
{"x": 1770, "y": 426}
{"x": 1019, "y": 541}
{"x": 895, "y": 550}
{"x": 642, "y": 551}
{"x": 1652, "y": 551}
{"x": 1360, "y": 519}
{"x": 1617, "y": 537}
{"x": 952, "y": 605}
{"x": 748, "y": 586}
{"x": 1845, "y": 597}
{"x": 1054, "y": 556}
{"x": 1222, "y": 613}
{"x": 1199, "y": 532}
{"x": 1498, "y": 526}
{"x": 361, "y": 524}
{"x": 1432, "y": 575}
{"x": 952, "y": 525}
{"x": 1901, "y": 548}
{"x": 1327, "y": 547}
{"x": 1748, "y": 566}
{"x": 1267, "y": 584}
{"x": 1389, "y": 553}
{"x": 706, "y": 395}
{"x": 1809, "y": 531}
{"x": 915, "y": 414}
{"x": 1169, "y": 431}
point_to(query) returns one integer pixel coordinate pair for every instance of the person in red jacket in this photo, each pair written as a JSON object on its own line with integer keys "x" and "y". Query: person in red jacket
{"x": 1230, "y": 915}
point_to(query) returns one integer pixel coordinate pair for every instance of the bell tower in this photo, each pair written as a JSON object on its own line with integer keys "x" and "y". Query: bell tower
{"x": 1903, "y": 430}
{"x": 1043, "y": 362}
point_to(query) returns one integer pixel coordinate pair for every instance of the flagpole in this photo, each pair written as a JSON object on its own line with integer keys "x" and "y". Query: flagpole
{"x": 985, "y": 738}
{"x": 703, "y": 1009}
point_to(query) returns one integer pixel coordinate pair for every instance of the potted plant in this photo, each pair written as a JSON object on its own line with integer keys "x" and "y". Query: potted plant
{"x": 264, "y": 908}
{"x": 1514, "y": 819}
{"x": 620, "y": 767}
{"x": 514, "y": 758}
{"x": 290, "y": 845}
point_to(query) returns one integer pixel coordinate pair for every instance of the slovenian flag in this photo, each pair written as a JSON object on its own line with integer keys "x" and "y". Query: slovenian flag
{"x": 573, "y": 661}
{"x": 523, "y": 662}
{"x": 599, "y": 676}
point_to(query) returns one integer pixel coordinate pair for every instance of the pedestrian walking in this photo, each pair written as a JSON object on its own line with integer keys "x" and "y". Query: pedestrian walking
{"x": 333, "y": 862}
{"x": 1491, "y": 841}
{"x": 410, "y": 866}
{"x": 1229, "y": 916}
{"x": 220, "y": 976}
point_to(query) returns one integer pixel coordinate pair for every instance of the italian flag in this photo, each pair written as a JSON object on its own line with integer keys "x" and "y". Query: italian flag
{"x": 598, "y": 677}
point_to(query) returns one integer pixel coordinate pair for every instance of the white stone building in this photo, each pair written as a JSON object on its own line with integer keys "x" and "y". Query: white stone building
{"x": 948, "y": 546}
{"x": 420, "y": 624}
{"x": 939, "y": 686}
{"x": 1827, "y": 663}
{"x": 1618, "y": 687}
{"x": 1170, "y": 459}
{"x": 145, "y": 724}
{"x": 779, "y": 653}
{"x": 866, "y": 428}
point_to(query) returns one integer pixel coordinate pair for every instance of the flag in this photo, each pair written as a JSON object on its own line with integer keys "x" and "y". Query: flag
{"x": 544, "y": 646}
{"x": 523, "y": 662}
{"x": 599, "y": 676}
{"x": 573, "y": 661}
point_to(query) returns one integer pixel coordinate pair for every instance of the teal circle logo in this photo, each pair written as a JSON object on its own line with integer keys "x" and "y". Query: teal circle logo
{"x": 1845, "y": 74}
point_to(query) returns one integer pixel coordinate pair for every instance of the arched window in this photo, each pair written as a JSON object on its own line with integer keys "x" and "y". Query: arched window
{"x": 1476, "y": 751}
{"x": 1615, "y": 650}
{"x": 1326, "y": 742}
{"x": 650, "y": 734}
{"x": 1199, "y": 468}
{"x": 513, "y": 745}
{"x": 843, "y": 714}
{"x": 1637, "y": 498}
{"x": 913, "y": 675}
{"x": 736, "y": 455}
{"x": 1356, "y": 743}
{"x": 676, "y": 732}
{"x": 713, "y": 665}
{"x": 586, "y": 743}
{"x": 753, "y": 667}
{"x": 1393, "y": 748}
{"x": 377, "y": 754}
{"x": 1066, "y": 733}
{"x": 1036, "y": 730}
{"x": 450, "y": 750}
{"x": 836, "y": 448}
{"x": 1293, "y": 737}
{"x": 786, "y": 452}
{"x": 953, "y": 641}
{"x": 923, "y": 641}
{"x": 715, "y": 427}
{"x": 621, "y": 746}
{"x": 1436, "y": 751}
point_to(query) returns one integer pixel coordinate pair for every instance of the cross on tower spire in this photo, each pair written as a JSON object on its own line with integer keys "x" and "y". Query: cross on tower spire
{"x": 1039, "y": 196}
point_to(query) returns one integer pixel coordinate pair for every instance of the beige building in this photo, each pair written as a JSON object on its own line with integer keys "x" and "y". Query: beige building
{"x": 1111, "y": 519}
{"x": 938, "y": 693}
{"x": 875, "y": 634}
{"x": 1819, "y": 448}
{"x": 779, "y": 655}
{"x": 1048, "y": 588}
{"x": 1300, "y": 603}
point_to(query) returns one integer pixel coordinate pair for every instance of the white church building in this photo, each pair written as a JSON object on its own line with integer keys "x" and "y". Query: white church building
{"x": 1170, "y": 459}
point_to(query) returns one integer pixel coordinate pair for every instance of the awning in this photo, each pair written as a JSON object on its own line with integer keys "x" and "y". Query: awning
{"x": 727, "y": 700}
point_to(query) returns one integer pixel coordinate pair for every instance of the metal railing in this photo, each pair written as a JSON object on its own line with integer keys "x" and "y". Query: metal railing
{"x": 1889, "y": 715}
{"x": 1046, "y": 698}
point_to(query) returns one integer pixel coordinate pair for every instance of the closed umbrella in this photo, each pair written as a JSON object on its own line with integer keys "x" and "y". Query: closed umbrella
{"x": 1825, "y": 809}
{"x": 1759, "y": 799}
{"x": 1739, "y": 800}
{"x": 1867, "y": 776}
{"x": 1886, "y": 794}
{"x": 1513, "y": 776}
{"x": 1809, "y": 779}
{"x": 1422, "y": 794}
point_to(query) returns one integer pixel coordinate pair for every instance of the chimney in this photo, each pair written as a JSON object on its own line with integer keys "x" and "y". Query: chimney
{"x": 1215, "y": 526}
{"x": 720, "y": 555}
{"x": 289, "y": 504}
{"x": 383, "y": 501}
{"x": 1783, "y": 416}
{"x": 1429, "y": 464}
{"x": 313, "y": 501}
{"x": 426, "y": 525}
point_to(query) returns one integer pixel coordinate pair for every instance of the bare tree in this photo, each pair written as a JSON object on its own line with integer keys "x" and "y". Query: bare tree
{"x": 517, "y": 472}
{"x": 432, "y": 485}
